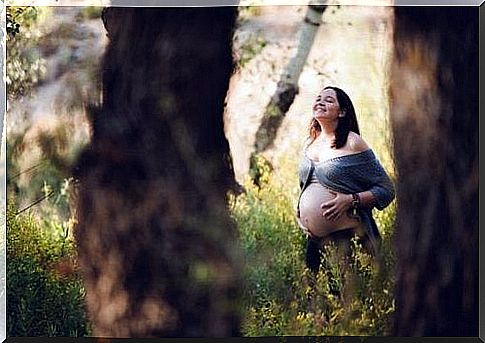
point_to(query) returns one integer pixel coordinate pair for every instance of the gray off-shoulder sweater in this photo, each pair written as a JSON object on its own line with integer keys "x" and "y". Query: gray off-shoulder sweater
{"x": 349, "y": 174}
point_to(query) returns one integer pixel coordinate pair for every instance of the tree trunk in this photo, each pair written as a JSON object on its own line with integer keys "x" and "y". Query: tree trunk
{"x": 287, "y": 86}
{"x": 156, "y": 246}
{"x": 434, "y": 114}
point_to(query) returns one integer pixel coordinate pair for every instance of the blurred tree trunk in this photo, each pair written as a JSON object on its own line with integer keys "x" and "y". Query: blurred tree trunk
{"x": 287, "y": 86}
{"x": 156, "y": 245}
{"x": 434, "y": 97}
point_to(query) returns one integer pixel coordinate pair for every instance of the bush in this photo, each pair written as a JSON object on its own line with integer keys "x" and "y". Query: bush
{"x": 24, "y": 65}
{"x": 282, "y": 297}
{"x": 42, "y": 300}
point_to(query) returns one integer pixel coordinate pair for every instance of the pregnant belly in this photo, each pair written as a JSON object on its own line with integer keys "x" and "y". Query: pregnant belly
{"x": 311, "y": 212}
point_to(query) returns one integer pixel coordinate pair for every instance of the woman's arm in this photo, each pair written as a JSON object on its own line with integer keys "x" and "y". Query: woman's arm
{"x": 339, "y": 205}
{"x": 379, "y": 195}
{"x": 382, "y": 191}
{"x": 367, "y": 199}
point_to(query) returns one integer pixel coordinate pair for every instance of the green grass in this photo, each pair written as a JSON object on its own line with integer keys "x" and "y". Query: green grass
{"x": 281, "y": 296}
{"x": 41, "y": 302}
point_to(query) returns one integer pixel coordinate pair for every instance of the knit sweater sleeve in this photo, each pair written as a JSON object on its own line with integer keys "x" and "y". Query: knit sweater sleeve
{"x": 353, "y": 173}
{"x": 382, "y": 187}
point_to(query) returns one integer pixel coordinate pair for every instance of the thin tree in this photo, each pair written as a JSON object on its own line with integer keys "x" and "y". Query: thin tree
{"x": 287, "y": 86}
{"x": 434, "y": 114}
{"x": 157, "y": 248}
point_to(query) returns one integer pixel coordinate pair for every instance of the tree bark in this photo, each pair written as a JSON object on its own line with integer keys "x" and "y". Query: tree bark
{"x": 434, "y": 115}
{"x": 287, "y": 86}
{"x": 156, "y": 245}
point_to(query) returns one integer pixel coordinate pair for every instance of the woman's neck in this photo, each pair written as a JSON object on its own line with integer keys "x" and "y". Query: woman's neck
{"x": 327, "y": 130}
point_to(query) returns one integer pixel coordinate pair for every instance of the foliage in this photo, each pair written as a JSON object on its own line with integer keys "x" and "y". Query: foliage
{"x": 282, "y": 297}
{"x": 14, "y": 15}
{"x": 90, "y": 12}
{"x": 45, "y": 297}
{"x": 24, "y": 67}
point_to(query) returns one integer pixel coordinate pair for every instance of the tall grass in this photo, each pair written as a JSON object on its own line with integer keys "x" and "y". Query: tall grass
{"x": 282, "y": 297}
{"x": 45, "y": 296}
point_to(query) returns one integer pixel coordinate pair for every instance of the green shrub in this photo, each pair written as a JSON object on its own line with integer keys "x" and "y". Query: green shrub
{"x": 24, "y": 65}
{"x": 41, "y": 302}
{"x": 282, "y": 297}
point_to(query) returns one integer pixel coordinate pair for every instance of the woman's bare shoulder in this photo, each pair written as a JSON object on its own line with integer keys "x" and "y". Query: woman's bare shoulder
{"x": 356, "y": 143}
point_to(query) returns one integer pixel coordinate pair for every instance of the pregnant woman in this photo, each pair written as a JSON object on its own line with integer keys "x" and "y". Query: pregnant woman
{"x": 341, "y": 179}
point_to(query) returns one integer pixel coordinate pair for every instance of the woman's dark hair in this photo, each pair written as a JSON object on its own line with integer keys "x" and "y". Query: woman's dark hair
{"x": 345, "y": 124}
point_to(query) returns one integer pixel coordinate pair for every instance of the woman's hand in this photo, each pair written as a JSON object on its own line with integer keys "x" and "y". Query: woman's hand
{"x": 338, "y": 206}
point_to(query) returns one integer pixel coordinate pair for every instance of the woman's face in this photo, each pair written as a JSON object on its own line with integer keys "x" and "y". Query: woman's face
{"x": 326, "y": 105}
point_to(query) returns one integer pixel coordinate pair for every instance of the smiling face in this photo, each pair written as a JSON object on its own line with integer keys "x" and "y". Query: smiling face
{"x": 326, "y": 105}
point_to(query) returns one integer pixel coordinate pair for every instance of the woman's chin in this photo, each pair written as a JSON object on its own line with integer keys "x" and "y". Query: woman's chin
{"x": 319, "y": 112}
{"x": 319, "y": 116}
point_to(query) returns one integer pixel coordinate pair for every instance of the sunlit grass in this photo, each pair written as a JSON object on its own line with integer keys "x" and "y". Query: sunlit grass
{"x": 279, "y": 295}
{"x": 45, "y": 296}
